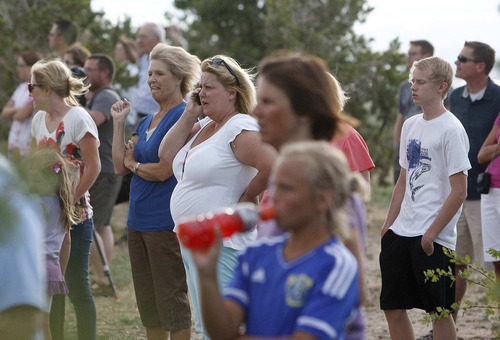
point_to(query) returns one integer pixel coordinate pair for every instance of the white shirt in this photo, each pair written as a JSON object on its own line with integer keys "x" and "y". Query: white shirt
{"x": 210, "y": 177}
{"x": 75, "y": 124}
{"x": 430, "y": 152}
{"x": 20, "y": 130}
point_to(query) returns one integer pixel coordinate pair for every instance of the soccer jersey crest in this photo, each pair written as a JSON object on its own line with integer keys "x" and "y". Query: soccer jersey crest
{"x": 296, "y": 289}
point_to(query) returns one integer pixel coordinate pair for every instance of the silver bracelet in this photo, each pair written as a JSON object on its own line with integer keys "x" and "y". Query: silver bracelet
{"x": 136, "y": 167}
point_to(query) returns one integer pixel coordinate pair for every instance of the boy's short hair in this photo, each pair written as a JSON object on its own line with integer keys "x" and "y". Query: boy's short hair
{"x": 440, "y": 71}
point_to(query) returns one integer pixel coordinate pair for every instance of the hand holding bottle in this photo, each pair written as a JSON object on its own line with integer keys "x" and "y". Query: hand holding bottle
{"x": 199, "y": 232}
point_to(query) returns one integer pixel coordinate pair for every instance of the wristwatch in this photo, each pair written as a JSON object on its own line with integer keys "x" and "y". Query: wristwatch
{"x": 136, "y": 166}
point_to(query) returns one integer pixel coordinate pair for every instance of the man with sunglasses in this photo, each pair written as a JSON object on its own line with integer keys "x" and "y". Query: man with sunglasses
{"x": 476, "y": 105}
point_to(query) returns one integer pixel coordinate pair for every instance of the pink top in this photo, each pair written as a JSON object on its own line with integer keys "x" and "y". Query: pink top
{"x": 494, "y": 167}
{"x": 354, "y": 148}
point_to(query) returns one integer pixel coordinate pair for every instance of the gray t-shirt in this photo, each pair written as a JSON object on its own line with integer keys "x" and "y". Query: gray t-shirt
{"x": 102, "y": 102}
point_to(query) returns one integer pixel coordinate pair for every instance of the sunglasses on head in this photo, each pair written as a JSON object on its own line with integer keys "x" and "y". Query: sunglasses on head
{"x": 463, "y": 59}
{"x": 32, "y": 86}
{"x": 217, "y": 61}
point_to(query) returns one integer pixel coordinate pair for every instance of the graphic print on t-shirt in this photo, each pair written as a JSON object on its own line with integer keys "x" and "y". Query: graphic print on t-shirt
{"x": 72, "y": 151}
{"x": 418, "y": 164}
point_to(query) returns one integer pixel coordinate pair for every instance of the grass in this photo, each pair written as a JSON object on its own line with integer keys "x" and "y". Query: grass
{"x": 119, "y": 319}
{"x": 116, "y": 319}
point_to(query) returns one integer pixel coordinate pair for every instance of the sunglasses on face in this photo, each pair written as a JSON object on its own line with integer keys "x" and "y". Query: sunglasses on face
{"x": 32, "y": 86}
{"x": 463, "y": 59}
{"x": 217, "y": 61}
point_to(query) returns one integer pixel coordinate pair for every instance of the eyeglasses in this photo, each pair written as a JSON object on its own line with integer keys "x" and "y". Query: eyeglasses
{"x": 32, "y": 86}
{"x": 463, "y": 59}
{"x": 217, "y": 61}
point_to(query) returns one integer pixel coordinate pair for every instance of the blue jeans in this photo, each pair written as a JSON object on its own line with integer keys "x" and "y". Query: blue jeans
{"x": 77, "y": 280}
{"x": 228, "y": 260}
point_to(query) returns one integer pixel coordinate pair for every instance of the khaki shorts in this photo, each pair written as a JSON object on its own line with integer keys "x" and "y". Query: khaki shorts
{"x": 159, "y": 279}
{"x": 103, "y": 195}
{"x": 469, "y": 232}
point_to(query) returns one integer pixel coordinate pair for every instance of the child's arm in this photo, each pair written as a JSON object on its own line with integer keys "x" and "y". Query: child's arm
{"x": 64, "y": 253}
{"x": 397, "y": 199}
{"x": 450, "y": 207}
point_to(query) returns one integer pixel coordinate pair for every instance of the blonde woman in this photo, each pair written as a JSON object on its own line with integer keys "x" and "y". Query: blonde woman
{"x": 157, "y": 269}
{"x": 218, "y": 161}
{"x": 67, "y": 128}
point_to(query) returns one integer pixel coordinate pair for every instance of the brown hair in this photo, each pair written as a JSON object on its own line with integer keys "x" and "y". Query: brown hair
{"x": 305, "y": 81}
{"x": 425, "y": 46}
{"x": 105, "y": 63}
{"x": 79, "y": 53}
{"x": 30, "y": 57}
{"x": 482, "y": 53}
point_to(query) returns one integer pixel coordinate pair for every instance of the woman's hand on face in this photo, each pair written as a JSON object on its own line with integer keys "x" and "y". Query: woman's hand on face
{"x": 192, "y": 107}
{"x": 120, "y": 109}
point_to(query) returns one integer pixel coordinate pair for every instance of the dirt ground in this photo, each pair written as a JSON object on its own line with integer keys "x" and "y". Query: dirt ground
{"x": 119, "y": 319}
{"x": 473, "y": 325}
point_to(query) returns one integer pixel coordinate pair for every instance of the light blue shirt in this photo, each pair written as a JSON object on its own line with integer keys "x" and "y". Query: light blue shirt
{"x": 22, "y": 261}
{"x": 143, "y": 101}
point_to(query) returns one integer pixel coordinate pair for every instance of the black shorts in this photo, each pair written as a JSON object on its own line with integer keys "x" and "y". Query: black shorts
{"x": 402, "y": 263}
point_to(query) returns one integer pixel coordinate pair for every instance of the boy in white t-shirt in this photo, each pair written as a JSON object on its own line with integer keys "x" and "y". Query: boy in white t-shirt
{"x": 425, "y": 205}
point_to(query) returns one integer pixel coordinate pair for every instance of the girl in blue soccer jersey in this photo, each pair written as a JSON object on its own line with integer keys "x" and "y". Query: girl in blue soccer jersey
{"x": 300, "y": 285}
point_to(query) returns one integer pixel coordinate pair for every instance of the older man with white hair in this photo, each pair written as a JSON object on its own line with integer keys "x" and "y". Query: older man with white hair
{"x": 148, "y": 36}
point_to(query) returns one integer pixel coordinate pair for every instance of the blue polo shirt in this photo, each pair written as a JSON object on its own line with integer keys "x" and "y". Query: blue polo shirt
{"x": 477, "y": 118}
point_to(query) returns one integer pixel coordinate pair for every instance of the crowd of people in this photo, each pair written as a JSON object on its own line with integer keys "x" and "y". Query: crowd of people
{"x": 189, "y": 137}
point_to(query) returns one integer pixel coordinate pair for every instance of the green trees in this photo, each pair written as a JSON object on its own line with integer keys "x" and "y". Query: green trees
{"x": 249, "y": 30}
{"x": 25, "y": 24}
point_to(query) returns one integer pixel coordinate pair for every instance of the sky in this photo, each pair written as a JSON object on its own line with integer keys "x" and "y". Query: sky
{"x": 447, "y": 24}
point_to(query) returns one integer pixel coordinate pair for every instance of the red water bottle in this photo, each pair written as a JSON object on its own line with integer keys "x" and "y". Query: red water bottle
{"x": 199, "y": 232}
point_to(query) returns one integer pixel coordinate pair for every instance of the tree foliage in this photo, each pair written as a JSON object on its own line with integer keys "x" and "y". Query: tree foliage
{"x": 474, "y": 275}
{"x": 25, "y": 24}
{"x": 249, "y": 30}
